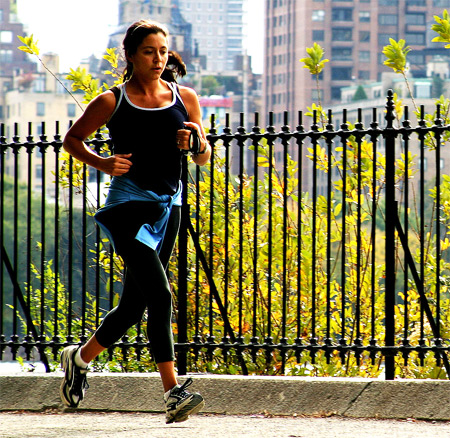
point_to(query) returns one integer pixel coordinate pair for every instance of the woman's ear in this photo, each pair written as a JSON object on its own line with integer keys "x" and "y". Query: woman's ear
{"x": 128, "y": 57}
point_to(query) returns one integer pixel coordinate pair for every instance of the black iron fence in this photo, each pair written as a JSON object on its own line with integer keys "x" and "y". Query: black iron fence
{"x": 319, "y": 251}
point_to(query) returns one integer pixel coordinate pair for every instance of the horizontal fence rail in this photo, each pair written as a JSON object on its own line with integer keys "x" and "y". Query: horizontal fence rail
{"x": 302, "y": 251}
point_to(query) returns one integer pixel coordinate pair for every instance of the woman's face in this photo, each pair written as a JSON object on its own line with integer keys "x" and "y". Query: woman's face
{"x": 151, "y": 56}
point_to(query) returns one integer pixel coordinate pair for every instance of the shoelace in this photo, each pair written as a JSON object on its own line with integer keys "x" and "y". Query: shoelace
{"x": 80, "y": 381}
{"x": 181, "y": 391}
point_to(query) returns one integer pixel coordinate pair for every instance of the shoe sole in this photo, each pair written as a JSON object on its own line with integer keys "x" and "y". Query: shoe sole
{"x": 194, "y": 411}
{"x": 187, "y": 410}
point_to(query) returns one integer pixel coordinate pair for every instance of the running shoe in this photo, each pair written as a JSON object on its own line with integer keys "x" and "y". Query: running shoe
{"x": 180, "y": 403}
{"x": 74, "y": 384}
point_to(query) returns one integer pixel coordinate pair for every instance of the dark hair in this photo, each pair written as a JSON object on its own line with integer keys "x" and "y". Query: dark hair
{"x": 134, "y": 37}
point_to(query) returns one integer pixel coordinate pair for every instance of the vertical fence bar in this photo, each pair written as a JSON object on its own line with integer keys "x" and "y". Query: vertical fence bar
{"x": 270, "y": 141}
{"x": 315, "y": 143}
{"x": 299, "y": 137}
{"x": 437, "y": 137}
{"x": 358, "y": 340}
{"x": 374, "y": 140}
{"x": 98, "y": 143}
{"x": 406, "y": 232}
{"x": 197, "y": 338}
{"x": 255, "y": 136}
{"x": 3, "y": 148}
{"x": 344, "y": 135}
{"x": 285, "y": 136}
{"x": 29, "y": 148}
{"x": 84, "y": 256}
{"x": 390, "y": 215}
{"x": 69, "y": 337}
{"x": 330, "y": 143}
{"x": 57, "y": 144}
{"x": 212, "y": 133}
{"x": 16, "y": 151}
{"x": 422, "y": 134}
{"x": 240, "y": 136}
{"x": 43, "y": 144}
{"x": 227, "y": 140}
{"x": 183, "y": 275}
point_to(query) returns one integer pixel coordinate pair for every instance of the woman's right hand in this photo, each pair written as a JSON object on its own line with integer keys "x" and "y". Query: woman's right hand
{"x": 116, "y": 165}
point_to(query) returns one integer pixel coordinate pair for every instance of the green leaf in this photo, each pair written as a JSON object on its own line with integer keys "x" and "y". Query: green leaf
{"x": 396, "y": 55}
{"x": 442, "y": 27}
{"x": 30, "y": 45}
{"x": 315, "y": 62}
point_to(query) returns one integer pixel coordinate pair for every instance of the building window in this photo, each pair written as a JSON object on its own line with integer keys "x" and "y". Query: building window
{"x": 441, "y": 3}
{"x": 341, "y": 34}
{"x": 341, "y": 73}
{"x": 416, "y": 59}
{"x": 316, "y": 94}
{"x": 38, "y": 171}
{"x": 364, "y": 16}
{"x": 415, "y": 19}
{"x": 364, "y": 56}
{"x": 318, "y": 35}
{"x": 422, "y": 90}
{"x": 6, "y": 36}
{"x": 1, "y": 15}
{"x": 389, "y": 2}
{"x": 341, "y": 53}
{"x": 336, "y": 93}
{"x": 364, "y": 36}
{"x": 6, "y": 55}
{"x": 383, "y": 38}
{"x": 318, "y": 15}
{"x": 388, "y": 19}
{"x": 40, "y": 108}
{"x": 415, "y": 38}
{"x": 364, "y": 75}
{"x": 425, "y": 163}
{"x": 71, "y": 110}
{"x": 342, "y": 14}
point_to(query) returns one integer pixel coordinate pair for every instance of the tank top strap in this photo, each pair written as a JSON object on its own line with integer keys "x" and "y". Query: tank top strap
{"x": 174, "y": 87}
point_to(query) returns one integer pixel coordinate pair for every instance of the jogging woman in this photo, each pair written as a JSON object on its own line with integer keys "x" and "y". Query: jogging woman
{"x": 150, "y": 120}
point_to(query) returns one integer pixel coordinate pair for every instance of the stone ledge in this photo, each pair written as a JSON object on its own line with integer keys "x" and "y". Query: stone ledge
{"x": 358, "y": 398}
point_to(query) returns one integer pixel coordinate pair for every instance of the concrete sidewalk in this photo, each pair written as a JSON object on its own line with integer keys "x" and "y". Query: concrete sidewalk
{"x": 241, "y": 395}
{"x": 86, "y": 424}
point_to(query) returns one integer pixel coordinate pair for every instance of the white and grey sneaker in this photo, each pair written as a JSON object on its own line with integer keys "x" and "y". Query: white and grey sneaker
{"x": 74, "y": 384}
{"x": 180, "y": 403}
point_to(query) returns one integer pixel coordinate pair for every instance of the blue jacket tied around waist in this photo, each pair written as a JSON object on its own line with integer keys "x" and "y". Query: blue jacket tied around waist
{"x": 123, "y": 189}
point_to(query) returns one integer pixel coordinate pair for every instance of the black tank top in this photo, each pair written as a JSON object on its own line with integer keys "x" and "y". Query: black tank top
{"x": 149, "y": 134}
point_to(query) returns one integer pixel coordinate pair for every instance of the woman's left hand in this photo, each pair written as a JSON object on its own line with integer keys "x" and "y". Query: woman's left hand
{"x": 183, "y": 136}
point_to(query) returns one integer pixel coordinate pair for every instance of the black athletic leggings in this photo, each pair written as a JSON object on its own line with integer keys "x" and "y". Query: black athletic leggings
{"x": 145, "y": 287}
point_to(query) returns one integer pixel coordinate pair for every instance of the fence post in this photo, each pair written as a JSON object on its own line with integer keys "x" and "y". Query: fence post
{"x": 182, "y": 277}
{"x": 390, "y": 134}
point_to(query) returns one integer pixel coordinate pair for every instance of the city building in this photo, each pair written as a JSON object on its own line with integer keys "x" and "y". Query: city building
{"x": 353, "y": 34}
{"x": 217, "y": 31}
{"x": 12, "y": 60}
{"x": 162, "y": 11}
{"x": 38, "y": 104}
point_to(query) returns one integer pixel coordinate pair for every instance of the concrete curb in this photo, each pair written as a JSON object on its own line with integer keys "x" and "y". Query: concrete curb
{"x": 357, "y": 398}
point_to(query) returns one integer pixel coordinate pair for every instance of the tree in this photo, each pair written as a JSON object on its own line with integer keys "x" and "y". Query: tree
{"x": 360, "y": 94}
{"x": 210, "y": 85}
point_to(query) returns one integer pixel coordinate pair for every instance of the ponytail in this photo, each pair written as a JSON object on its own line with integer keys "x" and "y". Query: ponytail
{"x": 174, "y": 67}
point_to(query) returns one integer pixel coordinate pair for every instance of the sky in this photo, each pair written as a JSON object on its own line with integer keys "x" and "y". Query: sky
{"x": 77, "y": 29}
